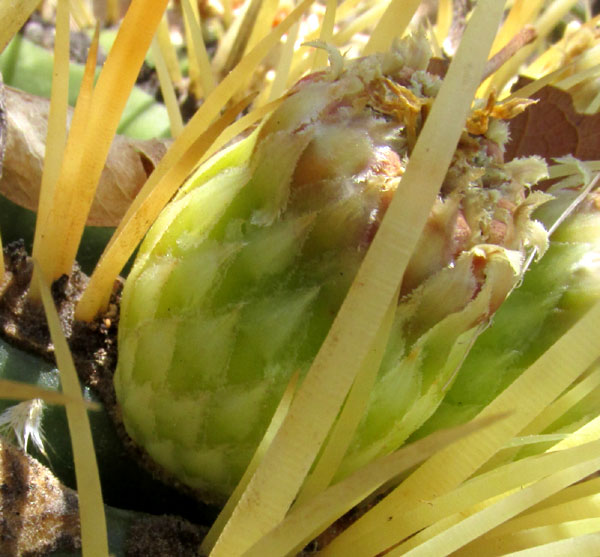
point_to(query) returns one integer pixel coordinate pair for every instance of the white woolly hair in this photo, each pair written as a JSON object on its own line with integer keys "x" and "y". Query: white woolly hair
{"x": 25, "y": 421}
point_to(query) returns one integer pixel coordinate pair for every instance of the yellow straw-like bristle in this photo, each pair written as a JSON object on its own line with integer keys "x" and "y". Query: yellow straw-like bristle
{"x": 200, "y": 68}
{"x": 113, "y": 11}
{"x": 466, "y": 529}
{"x": 565, "y": 402}
{"x": 82, "y": 14}
{"x": 391, "y": 25}
{"x": 94, "y": 540}
{"x": 57, "y": 130}
{"x": 305, "y": 522}
{"x": 168, "y": 51}
{"x": 579, "y": 509}
{"x": 227, "y": 12}
{"x": 594, "y": 105}
{"x": 16, "y": 390}
{"x": 13, "y": 15}
{"x": 359, "y": 24}
{"x": 567, "y": 537}
{"x": 167, "y": 89}
{"x": 232, "y": 46}
{"x": 88, "y": 144}
{"x": 443, "y": 20}
{"x": 326, "y": 34}
{"x": 263, "y": 23}
{"x": 517, "y": 486}
{"x": 348, "y": 8}
{"x": 584, "y": 75}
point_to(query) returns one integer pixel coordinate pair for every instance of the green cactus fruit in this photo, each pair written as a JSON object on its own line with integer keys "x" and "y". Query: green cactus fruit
{"x": 236, "y": 285}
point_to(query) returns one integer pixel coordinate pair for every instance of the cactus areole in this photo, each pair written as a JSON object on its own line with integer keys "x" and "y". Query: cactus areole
{"x": 237, "y": 283}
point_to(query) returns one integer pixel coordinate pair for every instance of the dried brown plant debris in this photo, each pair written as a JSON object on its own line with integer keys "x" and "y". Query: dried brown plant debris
{"x": 37, "y": 513}
{"x": 553, "y": 128}
{"x": 25, "y": 126}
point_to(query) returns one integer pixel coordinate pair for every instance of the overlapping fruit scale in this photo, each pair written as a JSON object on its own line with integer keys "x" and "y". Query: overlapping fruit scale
{"x": 240, "y": 278}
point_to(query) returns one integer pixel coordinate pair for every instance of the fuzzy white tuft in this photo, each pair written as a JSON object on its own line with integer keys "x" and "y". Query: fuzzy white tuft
{"x": 25, "y": 421}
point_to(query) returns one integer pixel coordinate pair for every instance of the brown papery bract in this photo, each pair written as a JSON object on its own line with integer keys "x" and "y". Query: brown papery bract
{"x": 128, "y": 165}
{"x": 553, "y": 128}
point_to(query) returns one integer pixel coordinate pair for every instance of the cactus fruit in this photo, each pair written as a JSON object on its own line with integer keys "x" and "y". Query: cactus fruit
{"x": 237, "y": 283}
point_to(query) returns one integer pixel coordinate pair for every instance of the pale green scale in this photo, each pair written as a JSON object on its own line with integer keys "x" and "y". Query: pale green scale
{"x": 154, "y": 351}
{"x": 181, "y": 419}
